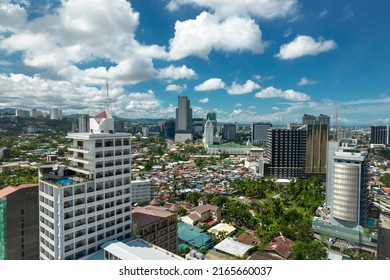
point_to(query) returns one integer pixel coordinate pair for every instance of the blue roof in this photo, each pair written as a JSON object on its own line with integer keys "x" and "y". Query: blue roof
{"x": 194, "y": 236}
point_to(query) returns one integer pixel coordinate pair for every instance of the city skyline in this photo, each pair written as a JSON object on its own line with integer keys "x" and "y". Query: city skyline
{"x": 254, "y": 62}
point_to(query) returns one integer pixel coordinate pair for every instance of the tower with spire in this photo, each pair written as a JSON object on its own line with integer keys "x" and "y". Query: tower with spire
{"x": 87, "y": 202}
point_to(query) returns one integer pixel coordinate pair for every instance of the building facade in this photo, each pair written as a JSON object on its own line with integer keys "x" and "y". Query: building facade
{"x": 88, "y": 202}
{"x": 259, "y": 133}
{"x": 286, "y": 153}
{"x": 157, "y": 225}
{"x": 141, "y": 191}
{"x": 84, "y": 123}
{"x": 229, "y": 131}
{"x": 183, "y": 125}
{"x": 380, "y": 134}
{"x": 19, "y": 231}
{"x": 316, "y": 149}
{"x": 54, "y": 113}
{"x": 348, "y": 189}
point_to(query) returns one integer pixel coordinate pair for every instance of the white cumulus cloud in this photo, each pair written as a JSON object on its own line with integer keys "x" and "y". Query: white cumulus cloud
{"x": 174, "y": 87}
{"x": 12, "y": 16}
{"x": 271, "y": 92}
{"x": 207, "y": 32}
{"x": 305, "y": 45}
{"x": 211, "y": 84}
{"x": 175, "y": 73}
{"x": 248, "y": 87}
{"x": 204, "y": 100}
{"x": 305, "y": 81}
{"x": 78, "y": 32}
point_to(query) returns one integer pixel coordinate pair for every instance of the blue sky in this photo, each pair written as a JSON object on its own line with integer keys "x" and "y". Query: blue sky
{"x": 264, "y": 60}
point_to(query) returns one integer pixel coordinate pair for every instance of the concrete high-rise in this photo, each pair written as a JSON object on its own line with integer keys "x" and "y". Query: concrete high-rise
{"x": 183, "y": 126}
{"x": 88, "y": 202}
{"x": 54, "y": 113}
{"x": 197, "y": 127}
{"x": 229, "y": 131}
{"x": 286, "y": 152}
{"x": 259, "y": 133}
{"x": 380, "y": 134}
{"x": 316, "y": 148}
{"x": 347, "y": 189}
{"x": 208, "y": 136}
{"x": 34, "y": 113}
{"x": 317, "y": 120}
{"x": 321, "y": 119}
{"x": 84, "y": 123}
{"x": 19, "y": 221}
{"x": 19, "y": 112}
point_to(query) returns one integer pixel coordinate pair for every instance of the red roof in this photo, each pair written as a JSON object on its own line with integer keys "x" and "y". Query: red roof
{"x": 281, "y": 245}
{"x": 103, "y": 115}
{"x": 10, "y": 189}
{"x": 386, "y": 190}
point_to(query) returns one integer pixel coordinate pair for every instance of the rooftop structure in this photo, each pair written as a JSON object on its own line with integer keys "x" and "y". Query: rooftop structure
{"x": 280, "y": 246}
{"x": 136, "y": 249}
{"x": 233, "y": 247}
{"x": 194, "y": 236}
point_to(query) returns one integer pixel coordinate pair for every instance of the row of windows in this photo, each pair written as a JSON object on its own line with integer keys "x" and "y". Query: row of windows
{"x": 112, "y": 153}
{"x": 105, "y": 227}
{"x": 46, "y": 188}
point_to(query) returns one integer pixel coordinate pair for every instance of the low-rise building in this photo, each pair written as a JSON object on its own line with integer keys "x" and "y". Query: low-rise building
{"x": 207, "y": 214}
{"x": 157, "y": 225}
{"x": 280, "y": 247}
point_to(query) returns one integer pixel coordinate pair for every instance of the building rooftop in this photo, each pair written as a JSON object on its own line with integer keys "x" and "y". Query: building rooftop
{"x": 281, "y": 245}
{"x": 136, "y": 249}
{"x": 10, "y": 189}
{"x": 247, "y": 238}
{"x": 204, "y": 208}
{"x": 150, "y": 214}
{"x": 193, "y": 236}
{"x": 222, "y": 227}
{"x": 233, "y": 247}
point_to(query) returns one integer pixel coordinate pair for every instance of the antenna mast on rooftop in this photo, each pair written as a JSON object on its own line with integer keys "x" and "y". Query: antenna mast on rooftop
{"x": 336, "y": 132}
{"x": 108, "y": 99}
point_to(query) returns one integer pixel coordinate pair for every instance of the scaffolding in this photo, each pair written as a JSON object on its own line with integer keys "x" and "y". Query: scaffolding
{"x": 3, "y": 215}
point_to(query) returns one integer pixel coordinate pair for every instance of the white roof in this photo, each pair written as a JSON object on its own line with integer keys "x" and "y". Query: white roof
{"x": 222, "y": 227}
{"x": 232, "y": 247}
{"x": 136, "y": 249}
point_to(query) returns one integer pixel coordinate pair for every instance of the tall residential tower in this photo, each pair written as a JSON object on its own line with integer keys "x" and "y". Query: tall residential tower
{"x": 86, "y": 203}
{"x": 183, "y": 126}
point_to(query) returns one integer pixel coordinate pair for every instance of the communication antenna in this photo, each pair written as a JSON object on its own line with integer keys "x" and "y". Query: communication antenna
{"x": 108, "y": 99}
{"x": 336, "y": 134}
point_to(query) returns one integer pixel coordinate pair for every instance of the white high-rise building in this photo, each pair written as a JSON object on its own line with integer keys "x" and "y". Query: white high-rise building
{"x": 208, "y": 136}
{"x": 54, "y": 113}
{"x": 19, "y": 112}
{"x": 347, "y": 188}
{"x": 88, "y": 202}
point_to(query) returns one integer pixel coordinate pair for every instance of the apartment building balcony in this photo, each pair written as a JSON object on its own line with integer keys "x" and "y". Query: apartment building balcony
{"x": 79, "y": 149}
{"x": 79, "y": 159}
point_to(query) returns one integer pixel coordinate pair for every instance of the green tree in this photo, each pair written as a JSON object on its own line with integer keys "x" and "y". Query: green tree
{"x": 182, "y": 211}
{"x": 193, "y": 197}
{"x": 313, "y": 250}
{"x": 385, "y": 179}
